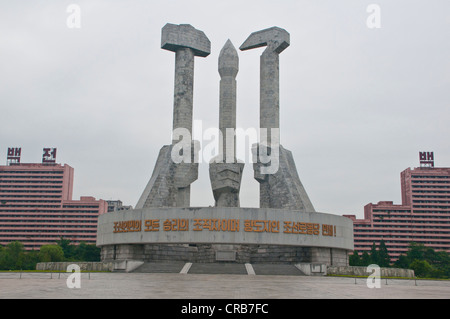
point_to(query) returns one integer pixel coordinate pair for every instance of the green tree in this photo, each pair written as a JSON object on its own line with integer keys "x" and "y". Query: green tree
{"x": 365, "y": 259}
{"x": 416, "y": 251}
{"x": 92, "y": 253}
{"x": 374, "y": 255}
{"x": 402, "y": 262}
{"x": 383, "y": 255}
{"x": 2, "y": 254}
{"x": 354, "y": 260}
{"x": 425, "y": 261}
{"x": 430, "y": 255}
{"x": 30, "y": 259}
{"x": 2, "y": 258}
{"x": 67, "y": 247}
{"x": 421, "y": 268}
{"x": 12, "y": 256}
{"x": 51, "y": 253}
{"x": 87, "y": 252}
{"x": 443, "y": 263}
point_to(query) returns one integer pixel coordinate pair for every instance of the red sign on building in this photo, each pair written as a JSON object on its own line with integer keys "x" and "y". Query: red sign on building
{"x": 13, "y": 155}
{"x": 426, "y": 159}
{"x": 49, "y": 155}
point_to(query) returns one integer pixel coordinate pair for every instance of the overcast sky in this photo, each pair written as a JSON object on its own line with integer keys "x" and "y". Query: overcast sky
{"x": 357, "y": 104}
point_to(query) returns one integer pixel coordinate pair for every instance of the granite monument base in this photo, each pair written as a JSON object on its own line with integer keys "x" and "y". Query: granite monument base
{"x": 224, "y": 234}
{"x": 213, "y": 253}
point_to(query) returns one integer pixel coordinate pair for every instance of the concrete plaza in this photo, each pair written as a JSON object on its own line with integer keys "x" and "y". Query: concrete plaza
{"x": 14, "y": 285}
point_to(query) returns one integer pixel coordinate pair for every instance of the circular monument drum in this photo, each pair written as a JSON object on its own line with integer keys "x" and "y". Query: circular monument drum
{"x": 210, "y": 234}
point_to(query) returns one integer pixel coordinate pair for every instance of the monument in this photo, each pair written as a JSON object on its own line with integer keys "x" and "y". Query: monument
{"x": 170, "y": 185}
{"x": 165, "y": 228}
{"x": 224, "y": 171}
{"x": 280, "y": 189}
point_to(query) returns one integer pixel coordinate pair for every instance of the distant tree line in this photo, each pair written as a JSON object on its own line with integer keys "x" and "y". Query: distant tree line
{"x": 425, "y": 261}
{"x": 14, "y": 256}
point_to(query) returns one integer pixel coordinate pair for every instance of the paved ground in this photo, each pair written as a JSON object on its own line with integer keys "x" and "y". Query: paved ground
{"x": 211, "y": 286}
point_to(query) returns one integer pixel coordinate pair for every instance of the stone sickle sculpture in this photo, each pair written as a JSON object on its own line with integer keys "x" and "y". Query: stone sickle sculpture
{"x": 280, "y": 185}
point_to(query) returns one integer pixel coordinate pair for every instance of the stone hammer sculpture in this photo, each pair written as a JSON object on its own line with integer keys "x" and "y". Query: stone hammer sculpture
{"x": 170, "y": 183}
{"x": 187, "y": 43}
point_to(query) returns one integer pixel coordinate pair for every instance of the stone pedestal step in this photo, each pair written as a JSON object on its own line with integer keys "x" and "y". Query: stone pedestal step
{"x": 220, "y": 268}
{"x": 173, "y": 267}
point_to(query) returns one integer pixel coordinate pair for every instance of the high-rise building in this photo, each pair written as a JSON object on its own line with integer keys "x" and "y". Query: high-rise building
{"x": 423, "y": 217}
{"x": 36, "y": 206}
